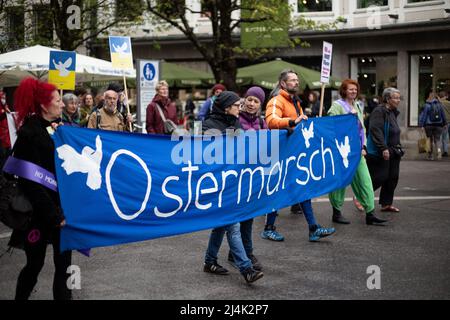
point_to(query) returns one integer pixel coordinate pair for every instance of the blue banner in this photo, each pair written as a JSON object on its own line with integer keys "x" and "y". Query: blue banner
{"x": 118, "y": 187}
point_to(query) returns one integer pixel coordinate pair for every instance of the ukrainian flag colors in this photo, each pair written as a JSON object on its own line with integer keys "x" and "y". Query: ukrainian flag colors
{"x": 121, "y": 54}
{"x": 62, "y": 68}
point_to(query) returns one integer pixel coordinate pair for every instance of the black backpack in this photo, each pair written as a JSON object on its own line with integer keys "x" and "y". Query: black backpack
{"x": 435, "y": 113}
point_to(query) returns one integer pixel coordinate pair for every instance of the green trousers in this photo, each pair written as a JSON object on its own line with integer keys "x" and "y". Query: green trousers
{"x": 361, "y": 186}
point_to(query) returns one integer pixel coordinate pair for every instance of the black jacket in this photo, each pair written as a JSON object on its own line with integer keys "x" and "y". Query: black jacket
{"x": 34, "y": 144}
{"x": 220, "y": 121}
{"x": 376, "y": 128}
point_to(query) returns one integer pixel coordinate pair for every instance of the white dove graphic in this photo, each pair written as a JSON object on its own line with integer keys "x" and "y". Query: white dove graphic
{"x": 344, "y": 150}
{"x": 62, "y": 67}
{"x": 86, "y": 162}
{"x": 120, "y": 49}
{"x": 308, "y": 133}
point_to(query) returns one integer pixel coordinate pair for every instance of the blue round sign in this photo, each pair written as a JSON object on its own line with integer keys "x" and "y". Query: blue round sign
{"x": 149, "y": 72}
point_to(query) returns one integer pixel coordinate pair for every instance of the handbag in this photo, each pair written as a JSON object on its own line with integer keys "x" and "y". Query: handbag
{"x": 169, "y": 126}
{"x": 15, "y": 208}
{"x": 423, "y": 144}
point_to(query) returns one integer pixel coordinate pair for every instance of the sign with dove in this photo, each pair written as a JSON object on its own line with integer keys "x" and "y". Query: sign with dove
{"x": 62, "y": 68}
{"x": 121, "y": 54}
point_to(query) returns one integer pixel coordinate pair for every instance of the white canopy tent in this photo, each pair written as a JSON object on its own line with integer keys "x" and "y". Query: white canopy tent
{"x": 33, "y": 61}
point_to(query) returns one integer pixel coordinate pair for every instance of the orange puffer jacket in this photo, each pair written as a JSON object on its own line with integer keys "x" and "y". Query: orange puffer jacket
{"x": 280, "y": 109}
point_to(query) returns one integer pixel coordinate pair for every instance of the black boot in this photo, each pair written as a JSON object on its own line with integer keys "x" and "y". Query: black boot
{"x": 338, "y": 218}
{"x": 372, "y": 219}
{"x": 296, "y": 209}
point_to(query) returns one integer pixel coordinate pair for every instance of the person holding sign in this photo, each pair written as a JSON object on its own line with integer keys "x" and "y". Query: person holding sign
{"x": 284, "y": 111}
{"x": 39, "y": 109}
{"x": 361, "y": 183}
{"x": 108, "y": 117}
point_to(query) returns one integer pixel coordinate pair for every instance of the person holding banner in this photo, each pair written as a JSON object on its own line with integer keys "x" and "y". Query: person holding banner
{"x": 39, "y": 108}
{"x": 284, "y": 111}
{"x": 250, "y": 119}
{"x": 362, "y": 182}
{"x": 224, "y": 116}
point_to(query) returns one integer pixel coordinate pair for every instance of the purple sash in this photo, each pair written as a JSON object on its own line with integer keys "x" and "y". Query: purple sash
{"x": 30, "y": 171}
{"x": 348, "y": 109}
{"x": 33, "y": 172}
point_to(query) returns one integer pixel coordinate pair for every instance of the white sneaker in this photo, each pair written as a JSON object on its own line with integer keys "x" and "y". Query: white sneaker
{"x": 439, "y": 154}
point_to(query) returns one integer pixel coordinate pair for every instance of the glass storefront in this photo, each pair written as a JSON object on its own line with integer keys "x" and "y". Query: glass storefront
{"x": 374, "y": 73}
{"x": 427, "y": 70}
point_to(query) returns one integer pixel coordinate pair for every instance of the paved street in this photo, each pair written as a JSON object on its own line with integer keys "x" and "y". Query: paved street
{"x": 412, "y": 252}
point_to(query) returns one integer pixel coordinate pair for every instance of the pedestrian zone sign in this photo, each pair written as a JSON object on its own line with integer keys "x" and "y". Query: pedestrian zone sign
{"x": 121, "y": 54}
{"x": 62, "y": 68}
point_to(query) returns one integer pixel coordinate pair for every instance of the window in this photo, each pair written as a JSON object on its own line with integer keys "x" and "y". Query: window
{"x": 15, "y": 30}
{"x": 375, "y": 73}
{"x": 129, "y": 10}
{"x": 427, "y": 70}
{"x": 206, "y": 6}
{"x": 368, "y": 3}
{"x": 313, "y": 5}
{"x": 43, "y": 25}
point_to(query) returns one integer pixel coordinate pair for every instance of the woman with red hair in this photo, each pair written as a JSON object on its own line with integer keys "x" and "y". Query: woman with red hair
{"x": 39, "y": 108}
{"x": 361, "y": 183}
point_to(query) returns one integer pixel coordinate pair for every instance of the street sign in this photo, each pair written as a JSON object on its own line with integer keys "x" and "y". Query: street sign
{"x": 148, "y": 75}
{"x": 62, "y": 68}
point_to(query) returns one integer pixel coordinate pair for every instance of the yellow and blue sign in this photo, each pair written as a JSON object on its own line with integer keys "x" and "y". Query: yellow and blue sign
{"x": 121, "y": 54}
{"x": 62, "y": 68}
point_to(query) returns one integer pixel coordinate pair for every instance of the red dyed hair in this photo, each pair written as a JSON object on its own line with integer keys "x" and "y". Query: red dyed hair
{"x": 344, "y": 87}
{"x": 29, "y": 97}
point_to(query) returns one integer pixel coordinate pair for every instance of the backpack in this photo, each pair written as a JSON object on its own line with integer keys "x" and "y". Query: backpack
{"x": 435, "y": 113}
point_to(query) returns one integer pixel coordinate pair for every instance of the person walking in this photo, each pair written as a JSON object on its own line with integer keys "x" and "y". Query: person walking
{"x": 432, "y": 119}
{"x": 384, "y": 150}
{"x": 70, "y": 114}
{"x": 224, "y": 117}
{"x": 285, "y": 112}
{"x": 361, "y": 183}
{"x": 250, "y": 119}
{"x": 206, "y": 107}
{"x": 87, "y": 105}
{"x": 39, "y": 108}
{"x": 160, "y": 107}
{"x": 108, "y": 117}
{"x": 443, "y": 99}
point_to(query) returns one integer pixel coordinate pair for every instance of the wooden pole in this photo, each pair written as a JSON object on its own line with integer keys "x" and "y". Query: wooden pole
{"x": 126, "y": 97}
{"x": 322, "y": 93}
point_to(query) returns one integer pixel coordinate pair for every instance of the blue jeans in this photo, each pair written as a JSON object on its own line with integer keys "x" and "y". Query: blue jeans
{"x": 445, "y": 136}
{"x": 308, "y": 212}
{"x": 235, "y": 243}
{"x": 246, "y": 234}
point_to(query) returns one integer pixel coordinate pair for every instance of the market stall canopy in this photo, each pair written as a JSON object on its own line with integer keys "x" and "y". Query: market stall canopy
{"x": 266, "y": 75}
{"x": 33, "y": 61}
{"x": 181, "y": 76}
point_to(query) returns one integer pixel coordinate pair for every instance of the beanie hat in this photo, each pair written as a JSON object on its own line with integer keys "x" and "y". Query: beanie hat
{"x": 226, "y": 99}
{"x": 256, "y": 92}
{"x": 218, "y": 86}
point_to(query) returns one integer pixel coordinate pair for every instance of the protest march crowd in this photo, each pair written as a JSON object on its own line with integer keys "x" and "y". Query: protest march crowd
{"x": 40, "y": 110}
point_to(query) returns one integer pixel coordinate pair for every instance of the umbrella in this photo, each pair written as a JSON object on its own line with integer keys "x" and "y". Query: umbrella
{"x": 180, "y": 76}
{"x": 266, "y": 75}
{"x": 33, "y": 61}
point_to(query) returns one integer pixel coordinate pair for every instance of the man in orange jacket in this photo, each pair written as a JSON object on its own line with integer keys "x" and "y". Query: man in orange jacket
{"x": 284, "y": 111}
